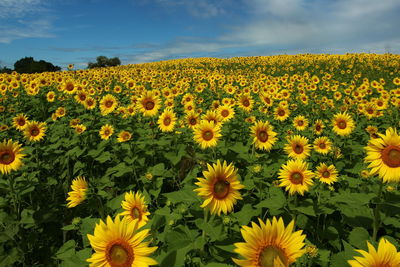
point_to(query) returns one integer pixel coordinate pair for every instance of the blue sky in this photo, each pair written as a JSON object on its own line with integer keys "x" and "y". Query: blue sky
{"x": 137, "y": 31}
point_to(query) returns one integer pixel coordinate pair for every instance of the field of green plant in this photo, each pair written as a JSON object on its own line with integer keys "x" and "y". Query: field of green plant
{"x": 259, "y": 161}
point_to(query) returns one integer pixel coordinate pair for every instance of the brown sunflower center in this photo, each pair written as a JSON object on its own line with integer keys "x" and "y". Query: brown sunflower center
{"x": 167, "y": 121}
{"x": 298, "y": 149}
{"x": 342, "y": 124}
{"x": 263, "y": 136}
{"x": 135, "y": 213}
{"x": 7, "y": 157}
{"x": 193, "y": 121}
{"x": 296, "y": 178}
{"x": 318, "y": 128}
{"x": 300, "y": 123}
{"x": 281, "y": 112}
{"x": 271, "y": 255}
{"x": 119, "y": 254}
{"x": 391, "y": 156}
{"x": 108, "y": 103}
{"x": 107, "y": 132}
{"x": 149, "y": 105}
{"x": 208, "y": 135}
{"x": 246, "y": 103}
{"x": 221, "y": 189}
{"x": 82, "y": 97}
{"x": 21, "y": 122}
{"x": 225, "y": 113}
{"x": 69, "y": 87}
{"x": 326, "y": 174}
{"x": 34, "y": 131}
{"x": 322, "y": 145}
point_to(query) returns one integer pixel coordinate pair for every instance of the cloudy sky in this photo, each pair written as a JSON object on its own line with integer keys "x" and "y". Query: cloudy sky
{"x": 136, "y": 31}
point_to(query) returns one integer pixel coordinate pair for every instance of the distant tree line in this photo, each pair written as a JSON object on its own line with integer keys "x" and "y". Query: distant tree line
{"x": 102, "y": 61}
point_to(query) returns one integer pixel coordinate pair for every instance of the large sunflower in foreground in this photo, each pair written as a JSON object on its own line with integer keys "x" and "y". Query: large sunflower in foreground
{"x": 343, "y": 124}
{"x": 207, "y": 134}
{"x": 386, "y": 256}
{"x": 149, "y": 104}
{"x": 264, "y": 136}
{"x": 298, "y": 147}
{"x": 295, "y": 177}
{"x": 78, "y": 194}
{"x": 135, "y": 208}
{"x": 383, "y": 154}
{"x": 166, "y": 121}
{"x": 35, "y": 131}
{"x": 10, "y": 156}
{"x": 220, "y": 188}
{"x": 270, "y": 244}
{"x": 118, "y": 244}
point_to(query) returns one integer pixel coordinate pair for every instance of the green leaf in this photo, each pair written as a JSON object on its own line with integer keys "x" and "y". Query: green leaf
{"x": 27, "y": 218}
{"x": 358, "y": 237}
{"x": 245, "y": 214}
{"x": 105, "y": 156}
{"x": 306, "y": 207}
{"x": 275, "y": 201}
{"x": 67, "y": 250}
{"x": 115, "y": 203}
{"x": 184, "y": 195}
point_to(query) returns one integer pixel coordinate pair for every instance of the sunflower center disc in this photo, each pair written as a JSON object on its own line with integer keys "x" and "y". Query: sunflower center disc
{"x": 69, "y": 87}
{"x": 300, "y": 123}
{"x": 208, "y": 135}
{"x": 119, "y": 255}
{"x": 221, "y": 189}
{"x": 281, "y": 113}
{"x": 318, "y": 128}
{"x": 167, "y": 121}
{"x": 271, "y": 255}
{"x": 263, "y": 136}
{"x": 6, "y": 157}
{"x": 342, "y": 124}
{"x": 225, "y": 113}
{"x": 149, "y": 105}
{"x": 109, "y": 104}
{"x": 298, "y": 149}
{"x": 35, "y": 132}
{"x": 326, "y": 174}
{"x": 193, "y": 121}
{"x": 135, "y": 213}
{"x": 21, "y": 122}
{"x": 391, "y": 156}
{"x": 246, "y": 103}
{"x": 296, "y": 178}
{"x": 322, "y": 146}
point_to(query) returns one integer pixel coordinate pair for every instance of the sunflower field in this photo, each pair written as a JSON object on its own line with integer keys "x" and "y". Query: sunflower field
{"x": 258, "y": 161}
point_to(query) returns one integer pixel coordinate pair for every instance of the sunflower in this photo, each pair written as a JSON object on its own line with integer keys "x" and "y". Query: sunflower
{"x": 80, "y": 128}
{"x": 343, "y": 124}
{"x": 264, "y": 136}
{"x": 135, "y": 208}
{"x": 220, "y": 188}
{"x": 106, "y": 131}
{"x": 212, "y": 116}
{"x": 35, "y": 131}
{"x": 69, "y": 87}
{"x": 300, "y": 123}
{"x": 318, "y": 127}
{"x": 166, "y": 121}
{"x": 383, "y": 154}
{"x": 386, "y": 255}
{"x": 295, "y": 177}
{"x": 78, "y": 194}
{"x": 108, "y": 104}
{"x": 10, "y": 156}
{"x": 373, "y": 131}
{"x": 60, "y": 112}
{"x": 326, "y": 174}
{"x": 124, "y": 136}
{"x": 322, "y": 145}
{"x": 149, "y": 104}
{"x": 90, "y": 103}
{"x": 192, "y": 119}
{"x": 118, "y": 243}
{"x": 20, "y": 121}
{"x": 281, "y": 113}
{"x": 270, "y": 244}
{"x": 207, "y": 134}
{"x": 246, "y": 102}
{"x": 298, "y": 147}
{"x": 226, "y": 112}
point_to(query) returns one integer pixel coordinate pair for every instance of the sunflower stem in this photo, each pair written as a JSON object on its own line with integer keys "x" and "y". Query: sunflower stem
{"x": 377, "y": 217}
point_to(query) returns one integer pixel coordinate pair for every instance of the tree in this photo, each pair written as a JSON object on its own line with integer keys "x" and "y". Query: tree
{"x": 103, "y": 61}
{"x": 29, "y": 65}
{"x": 5, "y": 70}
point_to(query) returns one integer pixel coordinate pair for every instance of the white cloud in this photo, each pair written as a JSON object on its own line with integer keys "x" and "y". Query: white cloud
{"x": 19, "y": 8}
{"x": 25, "y": 29}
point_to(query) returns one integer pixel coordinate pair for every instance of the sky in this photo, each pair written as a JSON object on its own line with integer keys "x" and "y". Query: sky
{"x": 137, "y": 31}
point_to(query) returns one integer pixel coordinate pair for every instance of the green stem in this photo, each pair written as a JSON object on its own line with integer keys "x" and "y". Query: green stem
{"x": 377, "y": 217}
{"x": 205, "y": 221}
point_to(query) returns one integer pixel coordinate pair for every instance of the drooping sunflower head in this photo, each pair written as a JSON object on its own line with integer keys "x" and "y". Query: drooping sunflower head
{"x": 135, "y": 208}
{"x": 300, "y": 123}
{"x": 270, "y": 244}
{"x": 383, "y": 156}
{"x": 327, "y": 174}
{"x": 118, "y": 243}
{"x": 78, "y": 194}
{"x": 108, "y": 104}
{"x": 207, "y": 134}
{"x": 297, "y": 147}
{"x": 295, "y": 177}
{"x": 322, "y": 145}
{"x": 106, "y": 131}
{"x": 386, "y": 255}
{"x": 10, "y": 156}
{"x": 149, "y": 103}
{"x": 263, "y": 135}
{"x": 20, "y": 121}
{"x": 219, "y": 188}
{"x": 166, "y": 121}
{"x": 35, "y": 131}
{"x": 343, "y": 124}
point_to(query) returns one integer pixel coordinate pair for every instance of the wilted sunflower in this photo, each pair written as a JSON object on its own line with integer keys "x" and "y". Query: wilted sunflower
{"x": 10, "y": 156}
{"x": 35, "y": 131}
{"x": 20, "y": 121}
{"x": 220, "y": 188}
{"x": 106, "y": 131}
{"x": 78, "y": 194}
{"x": 386, "y": 256}
{"x": 322, "y": 145}
{"x": 298, "y": 147}
{"x": 124, "y": 136}
{"x": 343, "y": 124}
{"x": 166, "y": 121}
{"x": 270, "y": 244}
{"x": 135, "y": 208}
{"x": 207, "y": 134}
{"x": 108, "y": 104}
{"x": 264, "y": 136}
{"x": 383, "y": 154}
{"x": 295, "y": 177}
{"x": 326, "y": 174}
{"x": 118, "y": 243}
{"x": 149, "y": 104}
{"x": 300, "y": 123}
